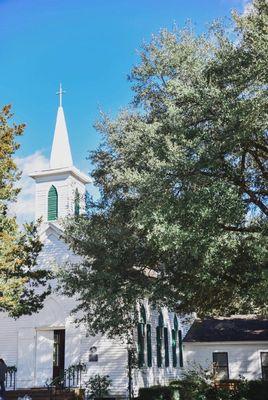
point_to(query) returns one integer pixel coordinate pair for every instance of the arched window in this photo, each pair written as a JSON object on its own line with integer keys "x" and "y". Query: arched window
{"x": 141, "y": 337}
{"x": 159, "y": 339}
{"x": 174, "y": 341}
{"x": 52, "y": 209}
{"x": 76, "y": 203}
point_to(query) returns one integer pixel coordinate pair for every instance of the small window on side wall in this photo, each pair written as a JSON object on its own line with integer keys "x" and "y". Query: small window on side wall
{"x": 264, "y": 365}
{"x": 220, "y": 366}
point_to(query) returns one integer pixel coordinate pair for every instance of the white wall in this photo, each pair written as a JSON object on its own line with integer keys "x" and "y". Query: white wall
{"x": 244, "y": 357}
{"x": 112, "y": 360}
{"x": 27, "y": 341}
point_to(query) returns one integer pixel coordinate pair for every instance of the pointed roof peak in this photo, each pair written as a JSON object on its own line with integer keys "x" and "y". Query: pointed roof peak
{"x": 61, "y": 155}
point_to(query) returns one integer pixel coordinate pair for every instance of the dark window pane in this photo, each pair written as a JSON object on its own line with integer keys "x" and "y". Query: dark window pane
{"x": 264, "y": 359}
{"x": 264, "y": 365}
{"x": 221, "y": 359}
{"x": 220, "y": 366}
{"x": 265, "y": 373}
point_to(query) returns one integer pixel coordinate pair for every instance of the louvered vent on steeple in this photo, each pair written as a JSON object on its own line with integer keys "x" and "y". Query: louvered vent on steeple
{"x": 52, "y": 209}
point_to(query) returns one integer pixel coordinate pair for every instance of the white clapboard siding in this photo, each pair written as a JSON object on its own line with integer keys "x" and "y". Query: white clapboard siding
{"x": 243, "y": 357}
{"x": 8, "y": 340}
{"x": 112, "y": 360}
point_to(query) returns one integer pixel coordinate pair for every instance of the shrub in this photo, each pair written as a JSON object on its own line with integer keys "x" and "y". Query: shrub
{"x": 196, "y": 387}
{"x": 193, "y": 385}
{"x": 258, "y": 390}
{"x": 159, "y": 393}
{"x": 98, "y": 385}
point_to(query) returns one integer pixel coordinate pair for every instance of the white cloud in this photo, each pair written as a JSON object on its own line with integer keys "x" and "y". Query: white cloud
{"x": 247, "y": 7}
{"x": 25, "y": 205}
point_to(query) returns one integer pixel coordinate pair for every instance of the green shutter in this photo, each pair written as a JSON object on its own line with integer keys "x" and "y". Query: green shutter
{"x": 141, "y": 345}
{"x": 52, "y": 212}
{"x": 149, "y": 345}
{"x": 180, "y": 348}
{"x": 159, "y": 345}
{"x": 176, "y": 324}
{"x": 160, "y": 319}
{"x": 76, "y": 203}
{"x": 174, "y": 347}
{"x": 166, "y": 347}
{"x": 143, "y": 314}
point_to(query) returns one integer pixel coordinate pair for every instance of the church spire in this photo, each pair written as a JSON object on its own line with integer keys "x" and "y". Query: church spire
{"x": 61, "y": 155}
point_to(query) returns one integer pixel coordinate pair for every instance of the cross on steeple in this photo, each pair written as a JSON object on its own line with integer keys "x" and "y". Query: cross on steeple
{"x": 60, "y": 93}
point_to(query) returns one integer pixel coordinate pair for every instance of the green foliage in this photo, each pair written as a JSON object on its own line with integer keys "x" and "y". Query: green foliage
{"x": 258, "y": 390}
{"x": 99, "y": 385}
{"x": 240, "y": 392}
{"x": 196, "y": 385}
{"x": 159, "y": 393}
{"x": 182, "y": 218}
{"x": 19, "y": 249}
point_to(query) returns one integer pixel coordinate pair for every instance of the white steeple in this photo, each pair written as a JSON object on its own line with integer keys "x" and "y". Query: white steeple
{"x": 61, "y": 156}
{"x": 59, "y": 186}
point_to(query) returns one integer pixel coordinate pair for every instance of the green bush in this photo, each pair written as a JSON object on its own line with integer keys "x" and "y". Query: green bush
{"x": 194, "y": 387}
{"x": 98, "y": 385}
{"x": 258, "y": 390}
{"x": 159, "y": 393}
{"x": 244, "y": 390}
{"x": 194, "y": 384}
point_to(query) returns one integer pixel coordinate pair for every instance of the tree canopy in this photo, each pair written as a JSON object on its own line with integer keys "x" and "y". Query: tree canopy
{"x": 19, "y": 249}
{"x": 182, "y": 173}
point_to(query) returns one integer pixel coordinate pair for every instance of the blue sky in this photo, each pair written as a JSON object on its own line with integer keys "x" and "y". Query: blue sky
{"x": 88, "y": 45}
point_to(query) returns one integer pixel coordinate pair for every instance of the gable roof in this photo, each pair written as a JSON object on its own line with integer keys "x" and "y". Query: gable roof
{"x": 50, "y": 228}
{"x": 228, "y": 330}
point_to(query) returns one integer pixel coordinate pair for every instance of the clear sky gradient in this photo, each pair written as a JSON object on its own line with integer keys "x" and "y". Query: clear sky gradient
{"x": 88, "y": 45}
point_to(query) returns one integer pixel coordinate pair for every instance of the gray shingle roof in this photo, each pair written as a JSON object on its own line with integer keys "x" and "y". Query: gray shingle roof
{"x": 228, "y": 330}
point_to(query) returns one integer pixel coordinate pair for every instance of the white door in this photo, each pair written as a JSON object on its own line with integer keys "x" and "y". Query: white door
{"x": 26, "y": 357}
{"x": 44, "y": 357}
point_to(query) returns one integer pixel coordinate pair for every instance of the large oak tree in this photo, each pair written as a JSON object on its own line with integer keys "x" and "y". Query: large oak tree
{"x": 182, "y": 216}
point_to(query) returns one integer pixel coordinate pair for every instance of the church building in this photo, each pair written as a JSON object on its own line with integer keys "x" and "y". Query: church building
{"x": 47, "y": 345}
{"x": 44, "y": 345}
